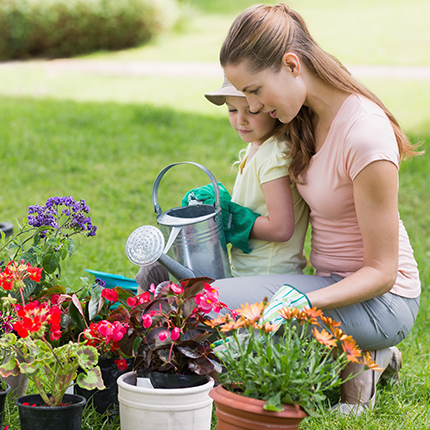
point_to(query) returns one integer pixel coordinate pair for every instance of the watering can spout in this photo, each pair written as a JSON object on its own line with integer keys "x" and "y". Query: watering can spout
{"x": 145, "y": 246}
{"x": 176, "y": 269}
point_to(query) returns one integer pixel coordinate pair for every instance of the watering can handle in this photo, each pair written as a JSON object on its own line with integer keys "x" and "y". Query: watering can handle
{"x": 157, "y": 181}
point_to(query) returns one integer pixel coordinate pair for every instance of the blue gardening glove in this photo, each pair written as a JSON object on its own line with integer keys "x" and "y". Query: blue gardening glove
{"x": 286, "y": 296}
{"x": 237, "y": 220}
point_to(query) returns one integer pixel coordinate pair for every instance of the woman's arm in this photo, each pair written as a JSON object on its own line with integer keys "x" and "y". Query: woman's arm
{"x": 375, "y": 197}
{"x": 278, "y": 226}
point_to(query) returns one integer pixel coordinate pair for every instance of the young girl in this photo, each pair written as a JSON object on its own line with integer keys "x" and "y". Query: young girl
{"x": 263, "y": 185}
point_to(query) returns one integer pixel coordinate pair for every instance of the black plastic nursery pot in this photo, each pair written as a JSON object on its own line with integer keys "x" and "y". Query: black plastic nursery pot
{"x": 37, "y": 416}
{"x": 6, "y": 228}
{"x": 3, "y": 395}
{"x": 107, "y": 399}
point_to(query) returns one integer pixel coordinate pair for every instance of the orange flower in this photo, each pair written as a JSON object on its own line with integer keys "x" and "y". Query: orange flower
{"x": 251, "y": 312}
{"x": 311, "y": 315}
{"x": 289, "y": 313}
{"x": 369, "y": 362}
{"x": 351, "y": 349}
{"x": 216, "y": 322}
{"x": 341, "y": 335}
{"x": 330, "y": 322}
{"x": 268, "y": 328}
{"x": 233, "y": 325}
{"x": 324, "y": 337}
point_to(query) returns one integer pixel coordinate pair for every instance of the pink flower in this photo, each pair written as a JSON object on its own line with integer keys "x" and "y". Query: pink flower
{"x": 144, "y": 298}
{"x": 176, "y": 289}
{"x": 204, "y": 303}
{"x": 106, "y": 329}
{"x": 147, "y": 320}
{"x": 118, "y": 331}
{"x": 152, "y": 288}
{"x": 110, "y": 295}
{"x": 121, "y": 364}
{"x": 132, "y": 301}
{"x": 163, "y": 335}
{"x": 176, "y": 332}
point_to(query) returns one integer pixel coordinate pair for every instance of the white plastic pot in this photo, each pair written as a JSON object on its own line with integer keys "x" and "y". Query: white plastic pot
{"x": 162, "y": 408}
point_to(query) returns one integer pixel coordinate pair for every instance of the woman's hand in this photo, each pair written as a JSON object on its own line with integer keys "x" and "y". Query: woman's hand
{"x": 278, "y": 226}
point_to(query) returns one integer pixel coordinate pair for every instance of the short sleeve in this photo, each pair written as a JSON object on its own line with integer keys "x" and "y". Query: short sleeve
{"x": 370, "y": 138}
{"x": 274, "y": 164}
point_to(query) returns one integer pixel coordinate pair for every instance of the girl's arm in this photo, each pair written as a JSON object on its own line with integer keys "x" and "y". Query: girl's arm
{"x": 278, "y": 225}
{"x": 375, "y": 197}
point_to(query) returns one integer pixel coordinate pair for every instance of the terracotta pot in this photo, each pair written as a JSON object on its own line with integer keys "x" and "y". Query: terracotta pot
{"x": 236, "y": 412}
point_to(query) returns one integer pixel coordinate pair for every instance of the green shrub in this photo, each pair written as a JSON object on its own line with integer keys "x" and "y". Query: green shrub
{"x": 63, "y": 28}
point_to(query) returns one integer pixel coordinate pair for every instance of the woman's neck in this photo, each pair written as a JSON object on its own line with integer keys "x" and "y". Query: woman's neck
{"x": 325, "y": 102}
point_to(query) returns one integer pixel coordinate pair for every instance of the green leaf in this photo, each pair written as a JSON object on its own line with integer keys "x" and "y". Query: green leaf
{"x": 10, "y": 368}
{"x": 91, "y": 380}
{"x": 87, "y": 356}
{"x": 70, "y": 244}
{"x": 76, "y": 317}
{"x": 95, "y": 301}
{"x": 51, "y": 261}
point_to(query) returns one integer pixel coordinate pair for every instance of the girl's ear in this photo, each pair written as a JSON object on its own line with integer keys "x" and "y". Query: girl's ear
{"x": 291, "y": 61}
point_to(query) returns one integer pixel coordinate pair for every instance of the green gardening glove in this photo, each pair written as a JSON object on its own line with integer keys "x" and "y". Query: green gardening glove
{"x": 286, "y": 296}
{"x": 237, "y": 220}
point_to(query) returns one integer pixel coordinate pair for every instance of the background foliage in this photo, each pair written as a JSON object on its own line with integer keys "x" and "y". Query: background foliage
{"x": 63, "y": 28}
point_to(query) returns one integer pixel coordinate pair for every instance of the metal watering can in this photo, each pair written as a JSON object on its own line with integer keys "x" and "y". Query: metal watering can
{"x": 196, "y": 242}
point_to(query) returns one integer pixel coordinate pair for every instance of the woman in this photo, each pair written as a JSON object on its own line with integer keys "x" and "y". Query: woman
{"x": 346, "y": 150}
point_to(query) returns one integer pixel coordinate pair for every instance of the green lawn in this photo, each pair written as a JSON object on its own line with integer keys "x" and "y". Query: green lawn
{"x": 104, "y": 138}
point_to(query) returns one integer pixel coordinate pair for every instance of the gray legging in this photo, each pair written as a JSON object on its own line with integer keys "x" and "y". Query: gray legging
{"x": 374, "y": 324}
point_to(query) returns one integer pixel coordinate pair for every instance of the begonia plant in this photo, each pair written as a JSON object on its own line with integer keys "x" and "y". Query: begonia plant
{"x": 165, "y": 331}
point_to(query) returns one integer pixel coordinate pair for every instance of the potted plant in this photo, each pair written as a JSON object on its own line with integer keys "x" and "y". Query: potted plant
{"x": 90, "y": 316}
{"x": 29, "y": 274}
{"x": 173, "y": 355}
{"x": 276, "y": 375}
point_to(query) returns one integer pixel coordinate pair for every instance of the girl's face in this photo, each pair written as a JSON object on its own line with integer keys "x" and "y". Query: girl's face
{"x": 252, "y": 126}
{"x": 281, "y": 93}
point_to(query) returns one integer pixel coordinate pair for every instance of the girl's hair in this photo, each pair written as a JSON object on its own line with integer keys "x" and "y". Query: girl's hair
{"x": 260, "y": 36}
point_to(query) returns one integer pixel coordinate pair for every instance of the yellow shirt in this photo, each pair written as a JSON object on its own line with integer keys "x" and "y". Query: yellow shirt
{"x": 269, "y": 163}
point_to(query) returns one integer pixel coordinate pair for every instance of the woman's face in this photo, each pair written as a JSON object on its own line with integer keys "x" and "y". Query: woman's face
{"x": 281, "y": 93}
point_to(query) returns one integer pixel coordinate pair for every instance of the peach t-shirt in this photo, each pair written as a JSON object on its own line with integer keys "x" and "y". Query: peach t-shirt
{"x": 360, "y": 134}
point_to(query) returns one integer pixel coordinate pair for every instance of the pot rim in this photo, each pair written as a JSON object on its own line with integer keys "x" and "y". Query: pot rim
{"x": 220, "y": 395}
{"x": 160, "y": 391}
{"x": 81, "y": 401}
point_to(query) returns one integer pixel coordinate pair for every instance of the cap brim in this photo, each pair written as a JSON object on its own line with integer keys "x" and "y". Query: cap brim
{"x": 218, "y": 97}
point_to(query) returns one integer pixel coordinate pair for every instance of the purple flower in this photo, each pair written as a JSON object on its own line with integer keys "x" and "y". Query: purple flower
{"x": 62, "y": 213}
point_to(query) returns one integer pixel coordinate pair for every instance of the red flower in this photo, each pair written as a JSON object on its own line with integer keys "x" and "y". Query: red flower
{"x": 110, "y": 295}
{"x": 54, "y": 299}
{"x": 144, "y": 298}
{"x": 34, "y": 272}
{"x": 121, "y": 364}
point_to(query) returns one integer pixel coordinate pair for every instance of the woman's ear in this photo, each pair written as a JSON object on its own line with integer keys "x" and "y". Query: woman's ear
{"x": 291, "y": 61}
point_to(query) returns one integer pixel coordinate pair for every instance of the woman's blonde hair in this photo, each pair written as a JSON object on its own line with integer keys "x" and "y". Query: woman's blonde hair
{"x": 260, "y": 36}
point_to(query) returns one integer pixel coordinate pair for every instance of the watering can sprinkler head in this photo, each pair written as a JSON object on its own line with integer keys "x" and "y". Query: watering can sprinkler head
{"x": 145, "y": 246}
